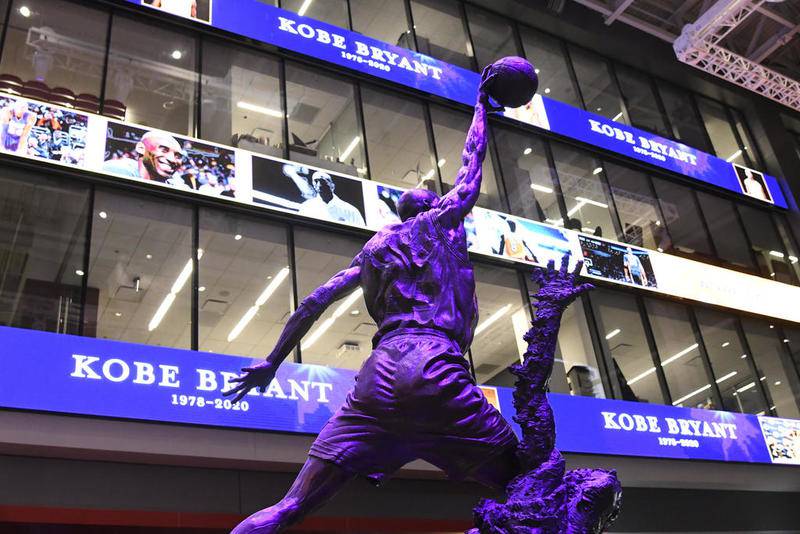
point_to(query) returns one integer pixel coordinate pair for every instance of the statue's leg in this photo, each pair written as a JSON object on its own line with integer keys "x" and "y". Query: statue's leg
{"x": 316, "y": 483}
{"x": 499, "y": 471}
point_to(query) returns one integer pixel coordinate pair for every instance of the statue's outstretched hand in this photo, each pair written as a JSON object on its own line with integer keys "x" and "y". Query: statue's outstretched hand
{"x": 559, "y": 287}
{"x": 259, "y": 376}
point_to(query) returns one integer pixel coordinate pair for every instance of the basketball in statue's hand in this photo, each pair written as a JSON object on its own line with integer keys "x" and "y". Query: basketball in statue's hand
{"x": 511, "y": 81}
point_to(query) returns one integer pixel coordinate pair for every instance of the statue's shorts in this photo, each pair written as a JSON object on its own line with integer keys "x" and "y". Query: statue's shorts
{"x": 414, "y": 398}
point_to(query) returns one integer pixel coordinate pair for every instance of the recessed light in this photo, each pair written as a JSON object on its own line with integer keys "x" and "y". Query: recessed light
{"x": 201, "y": 289}
{"x": 176, "y": 54}
{"x": 103, "y": 215}
{"x": 25, "y": 11}
{"x": 355, "y": 312}
{"x": 527, "y": 151}
{"x": 149, "y": 256}
{"x": 237, "y": 237}
{"x": 79, "y": 272}
{"x": 117, "y": 314}
{"x": 547, "y": 90}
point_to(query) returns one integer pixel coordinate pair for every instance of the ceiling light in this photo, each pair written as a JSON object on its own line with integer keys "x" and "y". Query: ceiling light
{"x": 441, "y": 162}
{"x": 173, "y": 292}
{"x": 117, "y": 314}
{"x": 547, "y": 90}
{"x": 660, "y": 249}
{"x": 723, "y": 378}
{"x": 617, "y": 117}
{"x": 260, "y": 301}
{"x": 733, "y": 156}
{"x": 785, "y": 340}
{"x": 743, "y": 356}
{"x": 327, "y": 323}
{"x": 353, "y": 144}
{"x": 103, "y": 215}
{"x": 176, "y": 54}
{"x": 527, "y": 151}
{"x": 684, "y": 352}
{"x": 542, "y": 188}
{"x": 304, "y": 7}
{"x": 25, "y": 11}
{"x": 638, "y": 377}
{"x": 536, "y": 71}
{"x": 355, "y": 312}
{"x": 259, "y": 109}
{"x": 744, "y": 388}
{"x": 692, "y": 394}
{"x": 492, "y": 319}
{"x": 238, "y": 237}
{"x": 201, "y": 289}
{"x": 772, "y": 326}
{"x": 79, "y": 272}
{"x": 161, "y": 312}
{"x": 777, "y": 382}
{"x": 599, "y": 109}
{"x": 613, "y": 333}
{"x": 597, "y": 170}
{"x": 726, "y": 344}
{"x": 149, "y": 256}
{"x": 592, "y": 202}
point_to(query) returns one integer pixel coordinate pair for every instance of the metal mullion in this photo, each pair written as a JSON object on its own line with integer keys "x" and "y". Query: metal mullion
{"x": 662, "y": 109}
{"x": 615, "y": 218}
{"x": 294, "y": 300}
{"x": 4, "y": 30}
{"x": 426, "y": 111}
{"x": 612, "y": 71}
{"x": 498, "y": 172}
{"x": 517, "y": 36}
{"x": 659, "y": 210}
{"x": 787, "y": 352}
{"x": 359, "y": 107}
{"x": 699, "y": 116}
{"x": 699, "y": 208}
{"x": 750, "y": 248}
{"x": 783, "y": 244}
{"x": 654, "y": 353}
{"x": 284, "y": 88}
{"x": 87, "y": 251}
{"x": 465, "y": 23}
{"x": 751, "y": 361}
{"x": 562, "y": 204}
{"x": 610, "y": 383}
{"x": 195, "y": 313}
{"x": 701, "y": 344}
{"x": 571, "y": 71}
{"x": 106, "y": 59}
{"x": 410, "y": 22}
{"x": 349, "y": 15}
{"x": 735, "y": 130}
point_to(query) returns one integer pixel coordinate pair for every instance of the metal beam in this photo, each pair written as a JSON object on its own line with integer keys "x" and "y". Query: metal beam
{"x": 773, "y": 43}
{"x": 661, "y": 33}
{"x": 619, "y": 8}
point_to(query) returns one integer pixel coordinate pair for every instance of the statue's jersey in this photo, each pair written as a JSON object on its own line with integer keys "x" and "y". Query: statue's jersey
{"x": 415, "y": 275}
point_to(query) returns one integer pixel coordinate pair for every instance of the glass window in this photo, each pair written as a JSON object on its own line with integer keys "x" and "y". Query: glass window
{"x": 241, "y": 99}
{"x": 576, "y": 352}
{"x": 729, "y": 362}
{"x": 625, "y": 345}
{"x": 720, "y": 131}
{"x": 774, "y": 367}
{"x": 323, "y": 121}
{"x": 749, "y": 150}
{"x": 330, "y": 11}
{"x": 154, "y": 79}
{"x": 54, "y": 51}
{"x": 600, "y": 94}
{"x": 726, "y": 230}
{"x": 767, "y": 245}
{"x": 346, "y": 340}
{"x": 640, "y": 101}
{"x": 492, "y": 36}
{"x": 787, "y": 237}
{"x": 792, "y": 341}
{"x": 527, "y": 175}
{"x": 683, "y": 218}
{"x": 42, "y": 243}
{"x": 440, "y": 31}
{"x": 548, "y": 57}
{"x": 449, "y": 132}
{"x": 679, "y": 351}
{"x": 244, "y": 284}
{"x": 642, "y": 222}
{"x": 140, "y": 269}
{"x": 503, "y": 320}
{"x": 384, "y": 20}
{"x": 686, "y": 124}
{"x": 585, "y": 194}
{"x": 399, "y": 149}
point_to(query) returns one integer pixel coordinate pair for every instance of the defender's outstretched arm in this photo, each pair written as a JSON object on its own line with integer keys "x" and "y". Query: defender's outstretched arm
{"x": 458, "y": 202}
{"x": 310, "y": 309}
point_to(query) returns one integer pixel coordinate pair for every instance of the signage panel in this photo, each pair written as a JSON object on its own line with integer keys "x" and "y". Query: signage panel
{"x": 98, "y": 377}
{"x": 257, "y": 20}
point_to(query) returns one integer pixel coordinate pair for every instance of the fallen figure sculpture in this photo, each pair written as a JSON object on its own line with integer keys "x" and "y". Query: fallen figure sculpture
{"x": 545, "y": 499}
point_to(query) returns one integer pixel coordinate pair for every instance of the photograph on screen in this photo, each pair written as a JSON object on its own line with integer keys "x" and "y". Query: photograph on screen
{"x": 308, "y": 191}
{"x": 752, "y": 183}
{"x": 518, "y": 239}
{"x": 783, "y": 439}
{"x": 380, "y": 203}
{"x": 617, "y": 262}
{"x": 42, "y": 131}
{"x": 190, "y": 9}
{"x": 161, "y": 157}
{"x": 532, "y": 113}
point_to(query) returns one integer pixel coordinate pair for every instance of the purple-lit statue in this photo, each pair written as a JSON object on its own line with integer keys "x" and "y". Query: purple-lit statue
{"x": 414, "y": 396}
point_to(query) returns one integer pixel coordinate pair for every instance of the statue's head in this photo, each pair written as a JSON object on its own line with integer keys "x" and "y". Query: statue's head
{"x": 415, "y": 201}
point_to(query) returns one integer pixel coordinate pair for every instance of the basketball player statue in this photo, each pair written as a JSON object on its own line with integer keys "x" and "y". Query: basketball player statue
{"x": 414, "y": 396}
